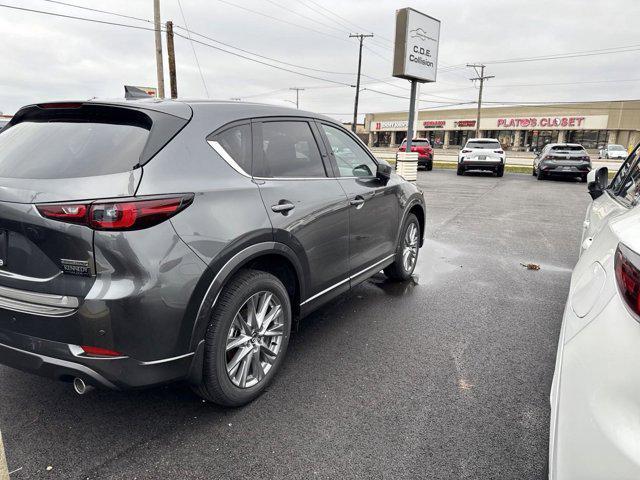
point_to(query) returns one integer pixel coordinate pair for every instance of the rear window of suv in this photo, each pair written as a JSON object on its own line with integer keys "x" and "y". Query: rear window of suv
{"x": 71, "y": 143}
{"x": 487, "y": 145}
{"x": 417, "y": 143}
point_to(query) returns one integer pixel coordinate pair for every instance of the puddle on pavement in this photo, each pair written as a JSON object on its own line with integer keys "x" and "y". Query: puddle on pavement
{"x": 435, "y": 260}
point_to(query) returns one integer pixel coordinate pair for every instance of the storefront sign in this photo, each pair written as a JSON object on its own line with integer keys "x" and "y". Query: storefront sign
{"x": 451, "y": 124}
{"x": 584, "y": 122}
{"x": 390, "y": 125}
{"x": 415, "y": 54}
{"x": 464, "y": 124}
{"x": 431, "y": 124}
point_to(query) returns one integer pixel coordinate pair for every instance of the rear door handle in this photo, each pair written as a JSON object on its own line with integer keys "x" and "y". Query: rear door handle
{"x": 283, "y": 207}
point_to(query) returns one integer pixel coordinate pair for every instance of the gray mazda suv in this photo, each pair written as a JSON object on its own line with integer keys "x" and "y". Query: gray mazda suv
{"x": 145, "y": 241}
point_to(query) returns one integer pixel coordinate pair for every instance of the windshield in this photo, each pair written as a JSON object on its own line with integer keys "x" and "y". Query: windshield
{"x": 484, "y": 144}
{"x": 71, "y": 147}
{"x": 421, "y": 142}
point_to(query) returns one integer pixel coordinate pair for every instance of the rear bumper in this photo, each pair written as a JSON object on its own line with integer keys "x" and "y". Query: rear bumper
{"x": 488, "y": 164}
{"x": 57, "y": 361}
{"x": 560, "y": 172}
{"x": 425, "y": 160}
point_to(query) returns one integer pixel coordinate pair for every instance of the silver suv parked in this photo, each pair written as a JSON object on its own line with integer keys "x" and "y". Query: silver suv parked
{"x": 145, "y": 242}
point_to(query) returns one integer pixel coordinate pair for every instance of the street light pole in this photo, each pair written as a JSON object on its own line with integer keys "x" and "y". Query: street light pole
{"x": 481, "y": 77}
{"x": 158, "y": 35}
{"x": 355, "y": 106}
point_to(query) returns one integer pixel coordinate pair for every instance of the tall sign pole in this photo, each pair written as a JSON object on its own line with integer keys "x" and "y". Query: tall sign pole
{"x": 158, "y": 34}
{"x": 355, "y": 105}
{"x": 415, "y": 58}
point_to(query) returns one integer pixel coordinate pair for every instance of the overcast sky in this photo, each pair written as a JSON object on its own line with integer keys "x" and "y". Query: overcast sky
{"x": 49, "y": 58}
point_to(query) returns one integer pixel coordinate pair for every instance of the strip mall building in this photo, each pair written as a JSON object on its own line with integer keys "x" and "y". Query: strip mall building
{"x": 523, "y": 128}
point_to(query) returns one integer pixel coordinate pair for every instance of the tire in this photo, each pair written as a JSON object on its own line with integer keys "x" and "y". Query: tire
{"x": 217, "y": 385}
{"x": 429, "y": 166}
{"x": 500, "y": 171}
{"x": 533, "y": 171}
{"x": 540, "y": 176}
{"x": 398, "y": 270}
{"x": 460, "y": 170}
{"x": 583, "y": 178}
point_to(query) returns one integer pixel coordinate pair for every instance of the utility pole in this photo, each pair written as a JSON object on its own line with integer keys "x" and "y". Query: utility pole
{"x": 481, "y": 77}
{"x": 355, "y": 106}
{"x": 158, "y": 34}
{"x": 171, "y": 53}
{"x": 298, "y": 90}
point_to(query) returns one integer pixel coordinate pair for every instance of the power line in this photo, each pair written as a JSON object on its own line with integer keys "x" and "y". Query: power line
{"x": 256, "y": 12}
{"x": 99, "y": 11}
{"x": 288, "y": 9}
{"x": 103, "y": 22}
{"x": 264, "y": 63}
{"x": 193, "y": 48}
{"x": 178, "y": 35}
{"x": 264, "y": 56}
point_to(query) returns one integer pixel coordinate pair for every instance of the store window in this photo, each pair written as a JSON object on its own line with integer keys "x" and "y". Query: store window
{"x": 460, "y": 137}
{"x": 541, "y": 138}
{"x": 591, "y": 139}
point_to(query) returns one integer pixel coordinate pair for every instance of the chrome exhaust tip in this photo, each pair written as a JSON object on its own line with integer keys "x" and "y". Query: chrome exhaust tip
{"x": 80, "y": 386}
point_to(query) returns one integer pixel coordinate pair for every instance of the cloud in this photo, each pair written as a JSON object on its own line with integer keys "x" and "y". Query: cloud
{"x": 48, "y": 58}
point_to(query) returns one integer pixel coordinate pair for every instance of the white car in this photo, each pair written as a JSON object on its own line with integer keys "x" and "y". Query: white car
{"x": 482, "y": 154}
{"x": 595, "y": 394}
{"x": 613, "y": 151}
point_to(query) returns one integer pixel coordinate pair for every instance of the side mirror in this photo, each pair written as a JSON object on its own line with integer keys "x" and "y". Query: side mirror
{"x": 597, "y": 181}
{"x": 383, "y": 172}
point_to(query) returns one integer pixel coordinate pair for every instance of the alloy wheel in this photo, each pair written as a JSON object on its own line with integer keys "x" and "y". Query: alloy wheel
{"x": 410, "y": 248}
{"x": 255, "y": 339}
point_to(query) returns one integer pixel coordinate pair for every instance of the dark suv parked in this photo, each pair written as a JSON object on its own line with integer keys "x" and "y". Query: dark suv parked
{"x": 145, "y": 242}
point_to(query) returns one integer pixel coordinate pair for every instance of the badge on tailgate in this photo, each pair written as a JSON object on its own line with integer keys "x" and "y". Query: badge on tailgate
{"x": 76, "y": 267}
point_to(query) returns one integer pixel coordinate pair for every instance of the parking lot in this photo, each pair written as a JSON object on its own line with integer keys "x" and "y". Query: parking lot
{"x": 443, "y": 377}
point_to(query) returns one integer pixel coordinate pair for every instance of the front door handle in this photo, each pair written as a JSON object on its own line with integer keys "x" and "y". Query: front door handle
{"x": 283, "y": 207}
{"x": 358, "y": 201}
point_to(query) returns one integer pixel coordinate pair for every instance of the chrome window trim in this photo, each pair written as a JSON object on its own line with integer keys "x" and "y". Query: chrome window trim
{"x": 295, "y": 178}
{"x": 332, "y": 287}
{"x": 227, "y": 158}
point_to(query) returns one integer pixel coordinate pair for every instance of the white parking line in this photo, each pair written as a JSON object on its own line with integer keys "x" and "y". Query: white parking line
{"x": 4, "y": 470}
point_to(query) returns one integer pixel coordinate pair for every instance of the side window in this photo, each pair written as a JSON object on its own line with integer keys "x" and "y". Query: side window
{"x": 352, "y": 160}
{"x": 235, "y": 142}
{"x": 290, "y": 150}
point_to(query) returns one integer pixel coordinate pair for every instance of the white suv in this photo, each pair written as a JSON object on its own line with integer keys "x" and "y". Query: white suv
{"x": 482, "y": 154}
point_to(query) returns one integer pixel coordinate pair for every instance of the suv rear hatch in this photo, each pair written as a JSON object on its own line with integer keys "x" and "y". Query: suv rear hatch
{"x": 64, "y": 152}
{"x": 568, "y": 155}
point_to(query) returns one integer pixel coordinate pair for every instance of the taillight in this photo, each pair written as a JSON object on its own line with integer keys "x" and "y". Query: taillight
{"x": 118, "y": 214}
{"x": 628, "y": 276}
{"x": 72, "y": 213}
{"x": 99, "y": 352}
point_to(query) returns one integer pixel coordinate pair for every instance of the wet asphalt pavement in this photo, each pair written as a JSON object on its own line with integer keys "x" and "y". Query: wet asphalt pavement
{"x": 443, "y": 377}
